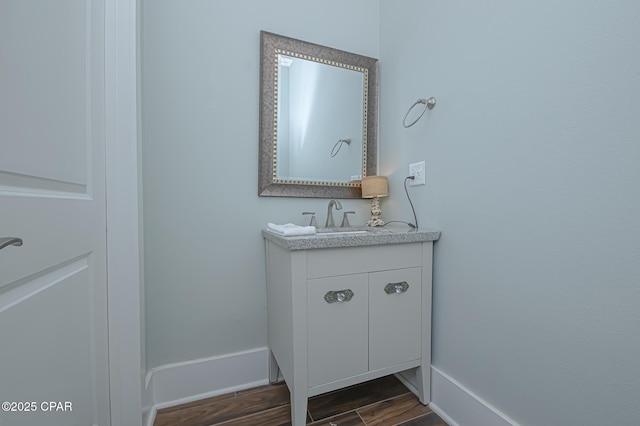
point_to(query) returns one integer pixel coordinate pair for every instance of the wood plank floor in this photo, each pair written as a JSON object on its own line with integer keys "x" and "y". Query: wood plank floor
{"x": 381, "y": 402}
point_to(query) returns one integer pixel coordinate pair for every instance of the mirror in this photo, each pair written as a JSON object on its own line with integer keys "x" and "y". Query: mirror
{"x": 318, "y": 119}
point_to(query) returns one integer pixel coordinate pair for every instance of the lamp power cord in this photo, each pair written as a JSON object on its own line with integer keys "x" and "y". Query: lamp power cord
{"x": 415, "y": 218}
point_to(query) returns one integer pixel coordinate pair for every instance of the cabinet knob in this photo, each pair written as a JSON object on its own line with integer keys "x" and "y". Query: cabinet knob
{"x": 396, "y": 288}
{"x": 338, "y": 296}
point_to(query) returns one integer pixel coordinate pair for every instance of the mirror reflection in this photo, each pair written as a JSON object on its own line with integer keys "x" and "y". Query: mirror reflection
{"x": 320, "y": 121}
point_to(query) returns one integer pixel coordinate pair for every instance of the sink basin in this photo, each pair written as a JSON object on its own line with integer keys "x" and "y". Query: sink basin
{"x": 341, "y": 233}
{"x": 351, "y": 230}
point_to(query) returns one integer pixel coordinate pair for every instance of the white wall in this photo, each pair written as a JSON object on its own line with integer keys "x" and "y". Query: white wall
{"x": 204, "y": 254}
{"x": 533, "y": 155}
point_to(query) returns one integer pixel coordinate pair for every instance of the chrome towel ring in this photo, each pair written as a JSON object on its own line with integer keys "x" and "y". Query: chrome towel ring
{"x": 338, "y": 145}
{"x": 428, "y": 103}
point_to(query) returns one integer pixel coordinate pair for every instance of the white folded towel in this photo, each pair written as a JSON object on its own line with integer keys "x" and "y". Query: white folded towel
{"x": 290, "y": 229}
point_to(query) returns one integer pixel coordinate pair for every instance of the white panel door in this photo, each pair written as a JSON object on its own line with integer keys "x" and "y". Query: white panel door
{"x": 395, "y": 319}
{"x": 53, "y": 300}
{"x": 337, "y": 333}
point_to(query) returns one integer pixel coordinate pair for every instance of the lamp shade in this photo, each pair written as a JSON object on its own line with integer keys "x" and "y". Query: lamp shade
{"x": 375, "y": 186}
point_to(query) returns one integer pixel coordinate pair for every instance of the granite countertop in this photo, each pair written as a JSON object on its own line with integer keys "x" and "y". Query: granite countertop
{"x": 372, "y": 237}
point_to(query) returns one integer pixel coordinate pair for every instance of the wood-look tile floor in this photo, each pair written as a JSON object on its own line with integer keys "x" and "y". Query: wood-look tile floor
{"x": 381, "y": 402}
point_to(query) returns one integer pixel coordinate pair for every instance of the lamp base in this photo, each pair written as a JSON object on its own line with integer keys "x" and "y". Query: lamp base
{"x": 375, "y": 213}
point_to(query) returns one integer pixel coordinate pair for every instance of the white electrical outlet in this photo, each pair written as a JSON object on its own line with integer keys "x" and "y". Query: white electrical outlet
{"x": 417, "y": 170}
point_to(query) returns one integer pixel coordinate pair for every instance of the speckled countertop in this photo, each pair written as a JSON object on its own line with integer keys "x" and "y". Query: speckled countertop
{"x": 373, "y": 237}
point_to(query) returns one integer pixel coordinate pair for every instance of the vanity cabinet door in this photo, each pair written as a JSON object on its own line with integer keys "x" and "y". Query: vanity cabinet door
{"x": 338, "y": 329}
{"x": 395, "y": 318}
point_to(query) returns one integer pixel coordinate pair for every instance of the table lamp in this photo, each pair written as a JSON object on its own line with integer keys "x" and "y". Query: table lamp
{"x": 374, "y": 187}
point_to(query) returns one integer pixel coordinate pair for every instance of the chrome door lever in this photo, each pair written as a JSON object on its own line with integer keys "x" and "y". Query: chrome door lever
{"x": 10, "y": 241}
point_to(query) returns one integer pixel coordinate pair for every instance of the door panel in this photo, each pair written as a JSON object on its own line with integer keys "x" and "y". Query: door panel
{"x": 48, "y": 327}
{"x": 53, "y": 303}
{"x": 337, "y": 332}
{"x": 43, "y": 87}
{"x": 395, "y": 320}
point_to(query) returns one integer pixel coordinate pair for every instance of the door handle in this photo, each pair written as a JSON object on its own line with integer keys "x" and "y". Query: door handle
{"x": 396, "y": 288}
{"x": 339, "y": 296}
{"x": 10, "y": 241}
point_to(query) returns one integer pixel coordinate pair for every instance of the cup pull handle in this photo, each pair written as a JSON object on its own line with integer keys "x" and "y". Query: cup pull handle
{"x": 338, "y": 296}
{"x": 10, "y": 241}
{"x": 396, "y": 288}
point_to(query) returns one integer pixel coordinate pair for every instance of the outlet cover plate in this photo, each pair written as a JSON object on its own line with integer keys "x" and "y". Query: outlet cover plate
{"x": 417, "y": 170}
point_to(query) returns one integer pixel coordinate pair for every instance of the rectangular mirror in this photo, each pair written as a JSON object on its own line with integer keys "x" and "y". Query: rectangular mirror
{"x": 318, "y": 119}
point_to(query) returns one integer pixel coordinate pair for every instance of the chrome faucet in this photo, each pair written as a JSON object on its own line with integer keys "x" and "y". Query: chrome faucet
{"x": 338, "y": 206}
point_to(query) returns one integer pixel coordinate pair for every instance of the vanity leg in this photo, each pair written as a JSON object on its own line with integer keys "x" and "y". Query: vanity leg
{"x": 273, "y": 368}
{"x": 298, "y": 408}
{"x": 424, "y": 384}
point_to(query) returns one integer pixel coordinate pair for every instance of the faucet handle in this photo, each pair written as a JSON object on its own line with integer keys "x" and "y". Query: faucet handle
{"x": 345, "y": 219}
{"x": 313, "y": 221}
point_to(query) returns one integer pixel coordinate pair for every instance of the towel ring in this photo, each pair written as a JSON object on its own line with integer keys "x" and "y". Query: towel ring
{"x": 428, "y": 103}
{"x": 338, "y": 145}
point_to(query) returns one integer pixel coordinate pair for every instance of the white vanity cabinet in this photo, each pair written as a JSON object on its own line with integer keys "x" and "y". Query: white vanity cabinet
{"x": 344, "y": 315}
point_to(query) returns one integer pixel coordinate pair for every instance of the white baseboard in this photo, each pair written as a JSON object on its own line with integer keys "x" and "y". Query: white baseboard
{"x": 458, "y": 406}
{"x": 184, "y": 382}
{"x": 148, "y": 417}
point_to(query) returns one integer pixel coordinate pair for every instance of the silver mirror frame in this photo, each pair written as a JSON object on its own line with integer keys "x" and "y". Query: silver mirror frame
{"x": 268, "y": 186}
